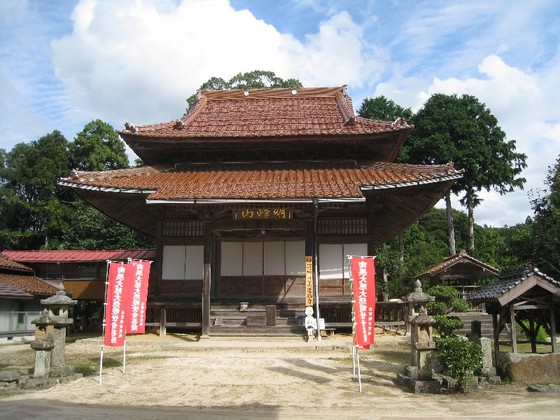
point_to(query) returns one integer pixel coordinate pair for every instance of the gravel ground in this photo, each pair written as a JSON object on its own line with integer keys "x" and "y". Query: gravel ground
{"x": 181, "y": 376}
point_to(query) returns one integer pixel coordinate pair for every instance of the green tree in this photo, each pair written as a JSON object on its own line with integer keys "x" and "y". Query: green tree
{"x": 381, "y": 108}
{"x": 546, "y": 223}
{"x": 256, "y": 79}
{"x": 462, "y": 130}
{"x": 32, "y": 207}
{"x": 97, "y": 148}
{"x": 90, "y": 229}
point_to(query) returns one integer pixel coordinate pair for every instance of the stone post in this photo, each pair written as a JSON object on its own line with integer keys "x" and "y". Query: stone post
{"x": 43, "y": 344}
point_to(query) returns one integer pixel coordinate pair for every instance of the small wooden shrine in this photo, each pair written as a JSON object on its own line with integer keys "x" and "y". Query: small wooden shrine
{"x": 256, "y": 197}
{"x": 523, "y": 297}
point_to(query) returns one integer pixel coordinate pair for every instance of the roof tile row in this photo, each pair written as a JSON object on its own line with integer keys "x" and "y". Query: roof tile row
{"x": 270, "y": 180}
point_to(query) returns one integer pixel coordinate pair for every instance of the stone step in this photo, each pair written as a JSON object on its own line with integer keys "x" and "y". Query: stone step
{"x": 258, "y": 331}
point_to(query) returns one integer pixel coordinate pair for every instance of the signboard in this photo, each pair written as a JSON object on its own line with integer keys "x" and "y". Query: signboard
{"x": 362, "y": 271}
{"x": 136, "y": 282}
{"x": 115, "y": 305}
{"x": 262, "y": 214}
{"x": 308, "y": 281}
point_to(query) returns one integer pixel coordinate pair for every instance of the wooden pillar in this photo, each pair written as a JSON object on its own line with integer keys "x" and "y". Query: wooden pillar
{"x": 206, "y": 283}
{"x": 553, "y": 327}
{"x": 533, "y": 331}
{"x": 513, "y": 334}
{"x": 496, "y": 330}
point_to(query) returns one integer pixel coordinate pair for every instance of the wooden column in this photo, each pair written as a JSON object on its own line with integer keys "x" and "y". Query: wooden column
{"x": 513, "y": 334}
{"x": 206, "y": 283}
{"x": 533, "y": 330}
{"x": 553, "y": 327}
{"x": 496, "y": 330}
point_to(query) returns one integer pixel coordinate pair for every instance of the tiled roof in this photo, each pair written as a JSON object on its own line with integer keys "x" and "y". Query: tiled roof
{"x": 53, "y": 256}
{"x": 509, "y": 280}
{"x": 259, "y": 180}
{"x": 27, "y": 284}
{"x": 461, "y": 257}
{"x": 11, "y": 292}
{"x": 267, "y": 113}
{"x": 7, "y": 263}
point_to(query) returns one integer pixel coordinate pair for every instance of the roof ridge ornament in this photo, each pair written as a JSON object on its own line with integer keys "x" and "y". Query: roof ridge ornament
{"x": 130, "y": 127}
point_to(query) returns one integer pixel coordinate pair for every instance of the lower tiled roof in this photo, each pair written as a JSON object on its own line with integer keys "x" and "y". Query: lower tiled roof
{"x": 54, "y": 256}
{"x": 27, "y": 284}
{"x": 261, "y": 180}
{"x": 10, "y": 292}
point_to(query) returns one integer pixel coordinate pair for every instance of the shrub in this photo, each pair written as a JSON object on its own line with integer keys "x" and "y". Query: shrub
{"x": 436, "y": 308}
{"x": 542, "y": 336}
{"x": 458, "y": 304}
{"x": 459, "y": 359}
{"x": 447, "y": 324}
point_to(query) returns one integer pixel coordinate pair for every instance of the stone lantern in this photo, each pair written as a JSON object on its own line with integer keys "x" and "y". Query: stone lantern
{"x": 416, "y": 299}
{"x": 423, "y": 345}
{"x": 43, "y": 344}
{"x": 58, "y": 306}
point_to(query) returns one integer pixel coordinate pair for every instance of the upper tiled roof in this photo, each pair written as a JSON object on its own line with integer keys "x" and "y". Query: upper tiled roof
{"x": 54, "y": 256}
{"x": 268, "y": 124}
{"x": 259, "y": 180}
{"x": 461, "y": 257}
{"x": 508, "y": 281}
{"x": 6, "y": 263}
{"x": 267, "y": 113}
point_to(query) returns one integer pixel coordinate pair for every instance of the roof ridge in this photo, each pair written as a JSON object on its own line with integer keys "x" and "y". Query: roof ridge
{"x": 271, "y": 93}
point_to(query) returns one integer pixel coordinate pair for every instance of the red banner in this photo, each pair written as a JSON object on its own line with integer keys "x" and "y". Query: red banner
{"x": 137, "y": 278}
{"x": 363, "y": 291}
{"x": 115, "y": 305}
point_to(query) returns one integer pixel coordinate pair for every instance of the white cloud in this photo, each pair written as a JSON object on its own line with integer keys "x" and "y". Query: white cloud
{"x": 526, "y": 107}
{"x": 139, "y": 61}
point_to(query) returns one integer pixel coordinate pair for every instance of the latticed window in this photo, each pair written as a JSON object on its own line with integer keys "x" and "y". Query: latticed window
{"x": 183, "y": 228}
{"x": 342, "y": 226}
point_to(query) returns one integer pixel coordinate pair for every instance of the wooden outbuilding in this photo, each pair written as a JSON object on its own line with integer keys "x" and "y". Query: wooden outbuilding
{"x": 461, "y": 271}
{"x": 20, "y": 295}
{"x": 256, "y": 197}
{"x": 525, "y": 297}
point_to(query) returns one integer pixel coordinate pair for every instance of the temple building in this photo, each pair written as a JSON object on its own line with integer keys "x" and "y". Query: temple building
{"x": 256, "y": 198}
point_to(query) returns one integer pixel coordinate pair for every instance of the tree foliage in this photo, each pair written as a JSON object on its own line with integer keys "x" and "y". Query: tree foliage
{"x": 32, "y": 207}
{"x": 256, "y": 79}
{"x": 97, "y": 148}
{"x": 35, "y": 212}
{"x": 462, "y": 130}
{"x": 381, "y": 108}
{"x": 545, "y": 226}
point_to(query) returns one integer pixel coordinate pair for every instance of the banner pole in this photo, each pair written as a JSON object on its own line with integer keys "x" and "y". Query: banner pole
{"x": 103, "y": 323}
{"x": 359, "y": 371}
{"x": 124, "y": 355}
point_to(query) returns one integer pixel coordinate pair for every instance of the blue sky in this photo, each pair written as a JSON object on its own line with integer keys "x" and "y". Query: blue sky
{"x": 67, "y": 62}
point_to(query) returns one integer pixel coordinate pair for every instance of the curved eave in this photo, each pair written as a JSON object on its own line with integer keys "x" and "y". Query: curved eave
{"x": 439, "y": 180}
{"x": 393, "y": 207}
{"x": 124, "y": 205}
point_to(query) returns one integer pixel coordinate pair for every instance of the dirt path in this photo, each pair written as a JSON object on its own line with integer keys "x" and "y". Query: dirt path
{"x": 181, "y": 377}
